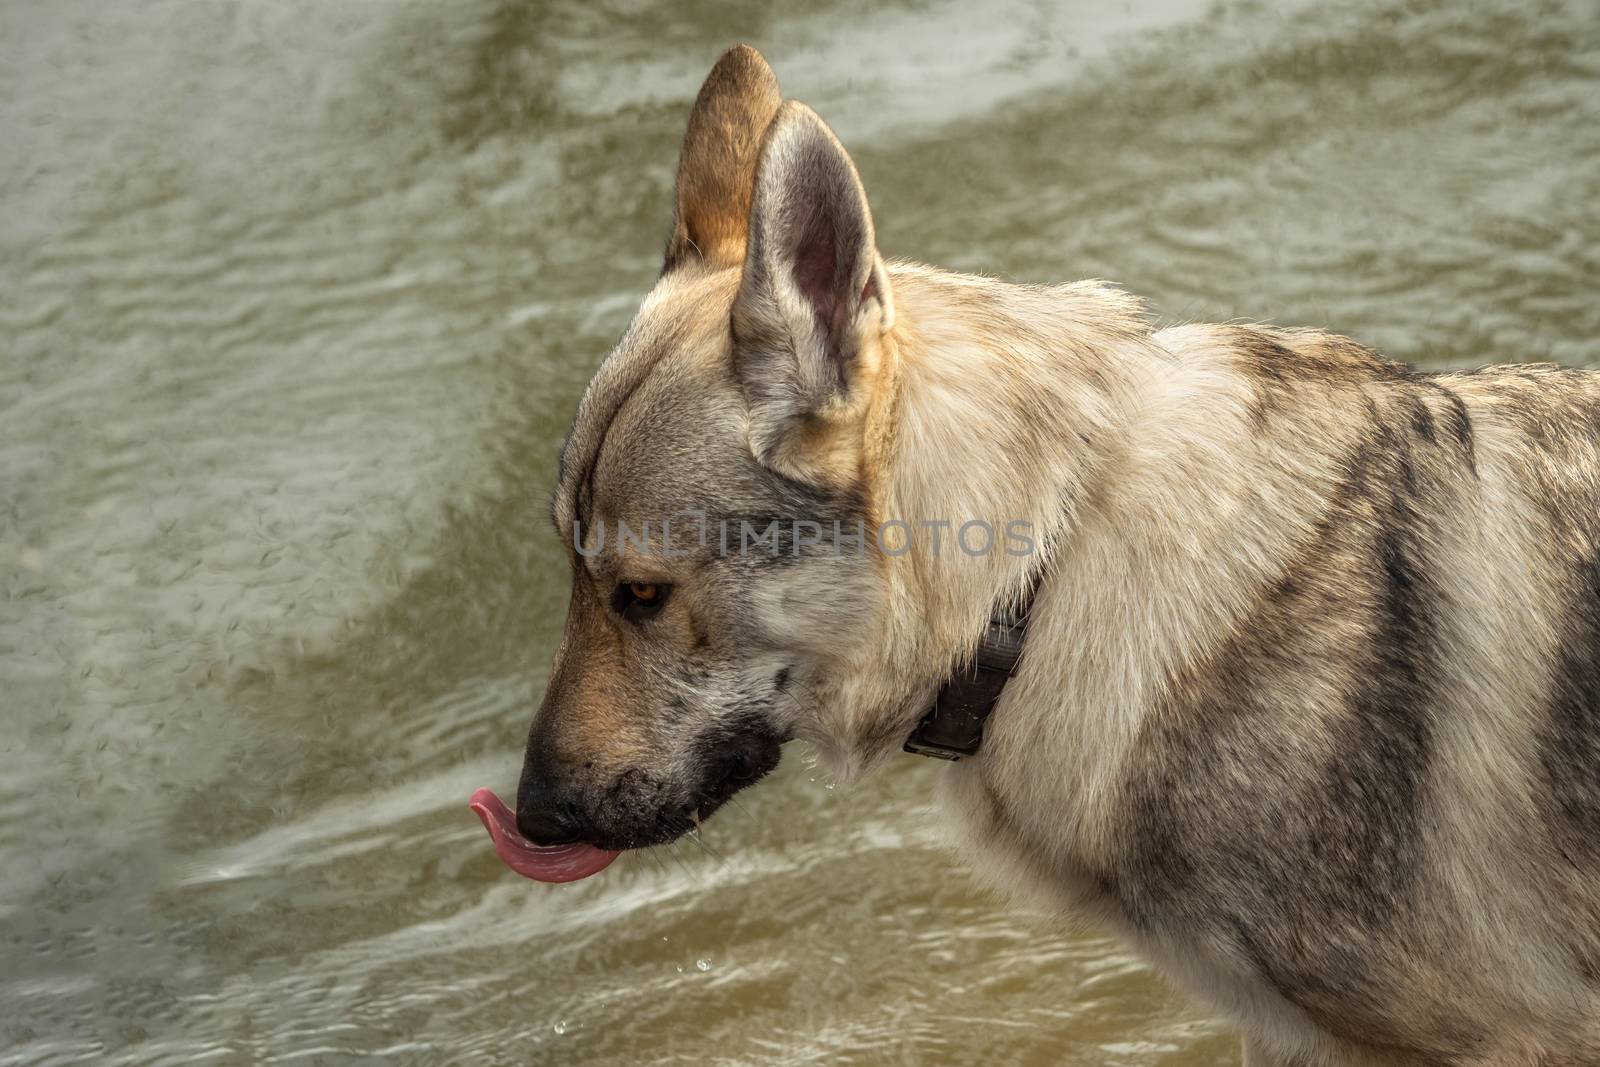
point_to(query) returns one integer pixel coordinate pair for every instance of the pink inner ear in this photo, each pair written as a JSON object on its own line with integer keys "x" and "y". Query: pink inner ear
{"x": 816, "y": 272}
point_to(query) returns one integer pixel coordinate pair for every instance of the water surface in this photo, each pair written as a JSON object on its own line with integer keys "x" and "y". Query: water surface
{"x": 296, "y": 300}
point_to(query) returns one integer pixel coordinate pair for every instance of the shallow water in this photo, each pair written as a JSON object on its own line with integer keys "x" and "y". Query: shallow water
{"x": 296, "y": 300}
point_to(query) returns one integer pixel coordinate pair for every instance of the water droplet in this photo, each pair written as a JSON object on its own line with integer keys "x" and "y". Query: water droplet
{"x": 704, "y": 965}
{"x": 560, "y": 1028}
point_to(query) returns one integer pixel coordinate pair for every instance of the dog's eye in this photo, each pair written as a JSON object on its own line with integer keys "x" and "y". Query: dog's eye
{"x": 637, "y": 601}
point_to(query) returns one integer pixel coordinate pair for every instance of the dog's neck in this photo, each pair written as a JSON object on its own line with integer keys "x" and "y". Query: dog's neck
{"x": 1007, "y": 403}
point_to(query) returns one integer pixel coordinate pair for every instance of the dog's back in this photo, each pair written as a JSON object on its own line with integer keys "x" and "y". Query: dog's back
{"x": 1368, "y": 797}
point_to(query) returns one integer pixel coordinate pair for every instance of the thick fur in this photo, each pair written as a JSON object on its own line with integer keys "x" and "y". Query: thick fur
{"x": 1309, "y": 710}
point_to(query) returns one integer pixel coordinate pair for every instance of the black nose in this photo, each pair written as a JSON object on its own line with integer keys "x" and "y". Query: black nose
{"x": 546, "y": 827}
{"x": 547, "y": 814}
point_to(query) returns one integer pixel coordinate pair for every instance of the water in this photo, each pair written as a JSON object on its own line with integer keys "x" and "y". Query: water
{"x": 296, "y": 300}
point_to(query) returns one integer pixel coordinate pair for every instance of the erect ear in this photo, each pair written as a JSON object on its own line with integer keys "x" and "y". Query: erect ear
{"x": 717, "y": 168}
{"x": 814, "y": 297}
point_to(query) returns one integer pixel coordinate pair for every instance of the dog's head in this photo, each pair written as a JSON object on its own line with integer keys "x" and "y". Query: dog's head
{"x": 717, "y": 474}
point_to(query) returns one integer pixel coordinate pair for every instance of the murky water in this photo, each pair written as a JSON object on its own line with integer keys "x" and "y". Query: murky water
{"x": 296, "y": 299}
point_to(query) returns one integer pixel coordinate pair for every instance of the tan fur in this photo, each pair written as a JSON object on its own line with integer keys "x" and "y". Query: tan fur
{"x": 718, "y": 162}
{"x": 598, "y": 687}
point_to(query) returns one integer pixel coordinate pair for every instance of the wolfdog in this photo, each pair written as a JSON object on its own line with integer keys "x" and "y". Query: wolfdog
{"x": 1308, "y": 705}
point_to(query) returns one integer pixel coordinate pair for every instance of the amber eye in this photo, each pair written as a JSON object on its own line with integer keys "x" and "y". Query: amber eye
{"x": 637, "y": 601}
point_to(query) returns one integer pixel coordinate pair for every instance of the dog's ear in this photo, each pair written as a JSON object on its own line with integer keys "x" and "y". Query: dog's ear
{"x": 814, "y": 296}
{"x": 717, "y": 168}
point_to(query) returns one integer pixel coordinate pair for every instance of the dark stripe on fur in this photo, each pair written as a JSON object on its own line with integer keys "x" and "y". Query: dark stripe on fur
{"x": 1570, "y": 747}
{"x": 1296, "y": 832}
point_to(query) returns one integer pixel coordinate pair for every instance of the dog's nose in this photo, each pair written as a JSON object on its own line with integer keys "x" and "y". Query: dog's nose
{"x": 545, "y": 814}
{"x": 546, "y": 826}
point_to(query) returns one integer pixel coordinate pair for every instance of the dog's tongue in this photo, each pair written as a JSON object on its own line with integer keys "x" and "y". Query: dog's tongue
{"x": 558, "y": 863}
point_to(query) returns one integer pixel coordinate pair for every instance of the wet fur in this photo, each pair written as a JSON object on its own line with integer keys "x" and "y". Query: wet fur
{"x": 1310, "y": 706}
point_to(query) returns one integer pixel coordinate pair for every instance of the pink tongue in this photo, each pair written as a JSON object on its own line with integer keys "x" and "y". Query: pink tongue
{"x": 558, "y": 863}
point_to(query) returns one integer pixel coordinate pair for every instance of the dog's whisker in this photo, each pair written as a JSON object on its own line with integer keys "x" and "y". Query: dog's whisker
{"x": 706, "y": 847}
{"x": 683, "y": 865}
{"x": 655, "y": 857}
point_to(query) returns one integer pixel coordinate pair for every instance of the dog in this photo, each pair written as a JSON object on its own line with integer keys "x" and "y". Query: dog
{"x": 1308, "y": 709}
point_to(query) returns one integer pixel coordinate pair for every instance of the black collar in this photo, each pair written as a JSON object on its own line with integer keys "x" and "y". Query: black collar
{"x": 953, "y": 727}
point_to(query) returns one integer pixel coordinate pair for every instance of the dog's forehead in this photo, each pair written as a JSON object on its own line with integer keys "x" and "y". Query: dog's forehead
{"x": 666, "y": 367}
{"x": 679, "y": 443}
